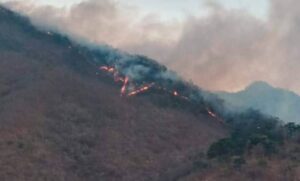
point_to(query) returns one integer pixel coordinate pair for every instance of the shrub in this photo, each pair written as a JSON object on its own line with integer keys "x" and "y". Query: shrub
{"x": 249, "y": 129}
{"x": 238, "y": 162}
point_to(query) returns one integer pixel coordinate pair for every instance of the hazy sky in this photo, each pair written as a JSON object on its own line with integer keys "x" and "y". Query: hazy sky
{"x": 218, "y": 44}
{"x": 173, "y": 8}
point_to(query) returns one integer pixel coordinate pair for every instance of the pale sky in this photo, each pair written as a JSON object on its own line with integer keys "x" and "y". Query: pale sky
{"x": 179, "y": 8}
{"x": 174, "y": 9}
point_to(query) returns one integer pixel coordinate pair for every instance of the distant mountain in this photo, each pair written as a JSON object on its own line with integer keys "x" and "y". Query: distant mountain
{"x": 270, "y": 100}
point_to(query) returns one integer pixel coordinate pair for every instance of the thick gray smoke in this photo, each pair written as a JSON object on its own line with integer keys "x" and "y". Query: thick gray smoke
{"x": 225, "y": 50}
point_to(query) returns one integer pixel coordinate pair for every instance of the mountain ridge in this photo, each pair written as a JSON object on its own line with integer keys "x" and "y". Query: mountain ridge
{"x": 270, "y": 100}
{"x": 64, "y": 119}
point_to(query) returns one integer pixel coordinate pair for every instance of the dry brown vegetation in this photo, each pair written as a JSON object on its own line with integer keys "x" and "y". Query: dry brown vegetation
{"x": 284, "y": 166}
{"x": 61, "y": 121}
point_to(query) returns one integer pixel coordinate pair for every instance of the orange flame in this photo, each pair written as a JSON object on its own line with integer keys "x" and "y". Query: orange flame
{"x": 143, "y": 89}
{"x": 107, "y": 69}
{"x": 125, "y": 80}
{"x": 175, "y": 93}
{"x": 212, "y": 114}
{"x": 119, "y": 79}
{"x": 123, "y": 89}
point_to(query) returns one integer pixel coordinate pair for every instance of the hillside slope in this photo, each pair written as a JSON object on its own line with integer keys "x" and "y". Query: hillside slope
{"x": 267, "y": 99}
{"x": 63, "y": 119}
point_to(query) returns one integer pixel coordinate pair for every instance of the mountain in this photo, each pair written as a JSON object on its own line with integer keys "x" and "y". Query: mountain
{"x": 273, "y": 101}
{"x": 75, "y": 112}
{"x": 62, "y": 118}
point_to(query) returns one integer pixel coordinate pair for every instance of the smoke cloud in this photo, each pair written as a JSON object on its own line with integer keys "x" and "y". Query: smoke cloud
{"x": 224, "y": 50}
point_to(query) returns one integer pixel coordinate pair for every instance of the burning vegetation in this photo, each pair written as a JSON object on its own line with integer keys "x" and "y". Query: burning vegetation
{"x": 132, "y": 84}
{"x": 128, "y": 88}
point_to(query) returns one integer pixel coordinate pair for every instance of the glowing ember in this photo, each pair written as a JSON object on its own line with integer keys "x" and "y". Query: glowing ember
{"x": 212, "y": 114}
{"x": 143, "y": 89}
{"x": 175, "y": 93}
{"x": 135, "y": 91}
{"x": 123, "y": 89}
{"x": 125, "y": 80}
{"x": 215, "y": 116}
{"x": 107, "y": 69}
{"x": 113, "y": 70}
{"x": 119, "y": 79}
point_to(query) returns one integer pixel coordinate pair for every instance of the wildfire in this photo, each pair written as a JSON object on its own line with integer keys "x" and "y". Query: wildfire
{"x": 108, "y": 69}
{"x": 125, "y": 80}
{"x": 175, "y": 93}
{"x": 135, "y": 91}
{"x": 115, "y": 73}
{"x": 141, "y": 90}
{"x": 212, "y": 114}
{"x": 123, "y": 89}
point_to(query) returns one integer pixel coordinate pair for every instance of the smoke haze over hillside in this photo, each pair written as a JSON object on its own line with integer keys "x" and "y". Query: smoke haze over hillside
{"x": 225, "y": 50}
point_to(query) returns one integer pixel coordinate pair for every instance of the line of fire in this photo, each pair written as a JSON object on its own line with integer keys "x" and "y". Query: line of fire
{"x": 128, "y": 89}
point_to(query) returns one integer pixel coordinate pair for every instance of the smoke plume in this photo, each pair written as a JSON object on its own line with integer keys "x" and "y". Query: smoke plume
{"x": 225, "y": 50}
